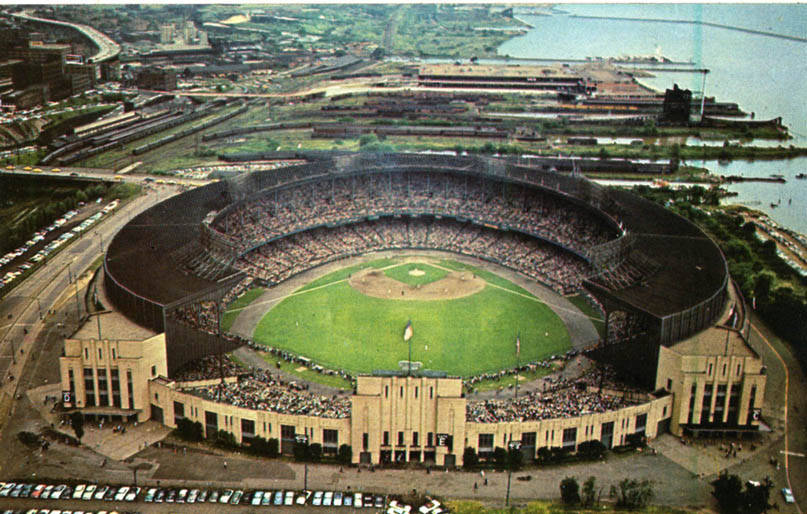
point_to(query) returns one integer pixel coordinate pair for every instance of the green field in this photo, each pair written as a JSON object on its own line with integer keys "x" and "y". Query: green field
{"x": 339, "y": 327}
{"x": 402, "y": 274}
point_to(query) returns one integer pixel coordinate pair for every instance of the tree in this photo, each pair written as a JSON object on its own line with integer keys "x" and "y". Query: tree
{"x": 345, "y": 454}
{"x": 514, "y": 459}
{"x": 77, "y": 420}
{"x": 727, "y": 491}
{"x": 569, "y": 491}
{"x": 302, "y": 452}
{"x": 589, "y": 492}
{"x": 732, "y": 499}
{"x": 470, "y": 459}
{"x": 189, "y": 430}
{"x": 633, "y": 494}
{"x": 500, "y": 457}
{"x": 315, "y": 452}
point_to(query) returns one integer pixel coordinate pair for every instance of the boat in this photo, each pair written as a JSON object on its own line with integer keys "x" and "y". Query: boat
{"x": 801, "y": 175}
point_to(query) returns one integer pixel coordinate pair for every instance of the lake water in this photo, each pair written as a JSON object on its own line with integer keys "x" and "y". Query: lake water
{"x": 763, "y": 74}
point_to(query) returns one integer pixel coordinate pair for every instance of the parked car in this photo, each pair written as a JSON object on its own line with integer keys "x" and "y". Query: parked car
{"x": 788, "y": 495}
{"x": 121, "y": 494}
{"x": 99, "y": 493}
{"x": 317, "y": 499}
{"x": 225, "y": 496}
{"x": 88, "y": 492}
{"x": 257, "y": 497}
{"x": 132, "y": 494}
{"x": 237, "y": 497}
{"x": 150, "y": 494}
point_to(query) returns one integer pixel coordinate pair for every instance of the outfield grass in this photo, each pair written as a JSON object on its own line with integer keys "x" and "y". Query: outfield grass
{"x": 344, "y": 273}
{"x": 402, "y": 274}
{"x": 340, "y": 327}
{"x": 235, "y": 308}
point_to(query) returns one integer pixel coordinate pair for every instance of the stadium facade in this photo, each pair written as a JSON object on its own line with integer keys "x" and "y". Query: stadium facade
{"x": 675, "y": 323}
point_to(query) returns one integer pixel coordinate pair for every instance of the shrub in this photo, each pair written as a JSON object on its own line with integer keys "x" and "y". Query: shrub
{"x": 569, "y": 491}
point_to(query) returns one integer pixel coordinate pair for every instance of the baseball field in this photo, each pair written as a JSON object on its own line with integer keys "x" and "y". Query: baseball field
{"x": 465, "y": 320}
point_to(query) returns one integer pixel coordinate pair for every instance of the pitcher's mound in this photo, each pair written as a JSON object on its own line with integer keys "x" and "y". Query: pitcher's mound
{"x": 456, "y": 284}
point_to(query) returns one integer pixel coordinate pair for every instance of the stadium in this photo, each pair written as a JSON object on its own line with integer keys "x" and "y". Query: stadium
{"x": 361, "y": 257}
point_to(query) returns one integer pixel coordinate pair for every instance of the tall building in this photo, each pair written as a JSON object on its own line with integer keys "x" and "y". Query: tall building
{"x": 167, "y": 33}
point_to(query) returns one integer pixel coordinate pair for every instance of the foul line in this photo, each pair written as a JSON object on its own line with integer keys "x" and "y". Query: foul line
{"x": 787, "y": 387}
{"x": 528, "y": 296}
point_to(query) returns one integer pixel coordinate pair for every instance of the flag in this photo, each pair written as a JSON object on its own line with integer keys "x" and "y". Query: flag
{"x": 518, "y": 345}
{"x": 408, "y": 332}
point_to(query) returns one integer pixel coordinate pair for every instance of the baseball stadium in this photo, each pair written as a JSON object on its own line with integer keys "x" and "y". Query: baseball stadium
{"x": 412, "y": 306}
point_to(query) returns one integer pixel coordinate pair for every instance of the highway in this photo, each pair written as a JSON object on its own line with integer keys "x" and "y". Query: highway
{"x": 51, "y": 286}
{"x": 107, "y": 48}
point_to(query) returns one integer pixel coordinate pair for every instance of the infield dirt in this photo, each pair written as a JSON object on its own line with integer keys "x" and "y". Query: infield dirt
{"x": 456, "y": 284}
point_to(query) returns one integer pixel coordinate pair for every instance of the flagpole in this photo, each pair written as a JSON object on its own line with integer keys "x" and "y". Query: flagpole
{"x": 409, "y": 367}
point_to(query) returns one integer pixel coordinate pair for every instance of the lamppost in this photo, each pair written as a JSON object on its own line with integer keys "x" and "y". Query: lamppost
{"x": 511, "y": 447}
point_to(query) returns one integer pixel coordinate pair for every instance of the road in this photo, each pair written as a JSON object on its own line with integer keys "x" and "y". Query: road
{"x": 20, "y": 311}
{"x": 107, "y": 48}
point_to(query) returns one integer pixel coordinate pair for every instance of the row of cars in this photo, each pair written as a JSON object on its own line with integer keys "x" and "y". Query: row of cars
{"x": 66, "y": 492}
{"x": 276, "y": 498}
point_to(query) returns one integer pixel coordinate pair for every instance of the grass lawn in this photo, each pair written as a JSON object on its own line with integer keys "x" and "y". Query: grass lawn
{"x": 339, "y": 327}
{"x": 402, "y": 274}
{"x": 235, "y": 308}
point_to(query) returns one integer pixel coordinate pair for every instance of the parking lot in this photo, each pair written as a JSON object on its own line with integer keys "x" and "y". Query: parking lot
{"x": 52, "y": 498}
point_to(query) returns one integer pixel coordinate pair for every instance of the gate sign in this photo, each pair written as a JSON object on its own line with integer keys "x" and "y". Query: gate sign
{"x": 67, "y": 397}
{"x": 301, "y": 438}
{"x": 442, "y": 439}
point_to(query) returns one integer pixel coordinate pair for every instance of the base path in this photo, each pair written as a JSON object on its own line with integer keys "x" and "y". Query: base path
{"x": 457, "y": 284}
{"x": 581, "y": 330}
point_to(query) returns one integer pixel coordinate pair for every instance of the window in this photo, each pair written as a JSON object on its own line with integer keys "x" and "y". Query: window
{"x": 130, "y": 388}
{"x": 431, "y": 393}
{"x": 415, "y": 438}
{"x": 330, "y": 440}
{"x": 416, "y": 392}
{"x": 365, "y": 441}
{"x": 669, "y": 384}
{"x": 485, "y": 445}
{"x": 400, "y": 438}
{"x": 113, "y": 354}
{"x": 386, "y": 391}
{"x": 738, "y": 368}
{"x": 100, "y": 355}
{"x": 570, "y": 437}
{"x": 179, "y": 412}
{"x": 211, "y": 422}
{"x": 385, "y": 441}
{"x": 247, "y": 428}
{"x": 86, "y": 354}
{"x": 401, "y": 391}
{"x": 724, "y": 369}
{"x": 154, "y": 371}
{"x": 710, "y": 370}
{"x": 641, "y": 423}
{"x": 430, "y": 439}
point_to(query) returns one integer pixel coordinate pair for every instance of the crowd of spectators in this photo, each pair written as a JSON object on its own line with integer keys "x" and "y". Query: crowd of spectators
{"x": 258, "y": 389}
{"x": 282, "y": 258}
{"x": 337, "y": 200}
{"x": 561, "y": 398}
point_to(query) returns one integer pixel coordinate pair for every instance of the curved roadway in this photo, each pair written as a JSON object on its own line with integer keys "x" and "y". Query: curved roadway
{"x": 107, "y": 48}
